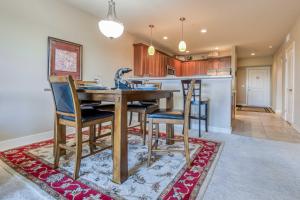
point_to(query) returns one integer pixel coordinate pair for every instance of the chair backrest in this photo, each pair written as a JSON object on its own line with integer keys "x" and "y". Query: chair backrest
{"x": 157, "y": 85}
{"x": 188, "y": 99}
{"x": 65, "y": 96}
{"x": 196, "y": 95}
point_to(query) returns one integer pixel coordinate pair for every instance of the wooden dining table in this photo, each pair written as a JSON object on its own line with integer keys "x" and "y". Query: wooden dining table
{"x": 120, "y": 139}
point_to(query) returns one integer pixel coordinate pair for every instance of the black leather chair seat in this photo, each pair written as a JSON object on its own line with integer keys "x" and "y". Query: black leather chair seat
{"x": 90, "y": 114}
{"x": 167, "y": 114}
{"x": 137, "y": 107}
{"x": 106, "y": 107}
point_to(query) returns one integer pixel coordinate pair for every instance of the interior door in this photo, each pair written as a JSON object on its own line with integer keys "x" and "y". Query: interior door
{"x": 258, "y": 87}
{"x": 289, "y": 85}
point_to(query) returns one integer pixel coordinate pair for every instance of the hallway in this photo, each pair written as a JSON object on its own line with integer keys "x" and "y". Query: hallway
{"x": 265, "y": 126}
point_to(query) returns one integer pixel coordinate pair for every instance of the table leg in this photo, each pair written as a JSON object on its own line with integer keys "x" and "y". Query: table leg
{"x": 170, "y": 127}
{"x": 120, "y": 158}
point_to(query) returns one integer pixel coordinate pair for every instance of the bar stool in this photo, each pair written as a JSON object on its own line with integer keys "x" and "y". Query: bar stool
{"x": 143, "y": 108}
{"x": 197, "y": 95}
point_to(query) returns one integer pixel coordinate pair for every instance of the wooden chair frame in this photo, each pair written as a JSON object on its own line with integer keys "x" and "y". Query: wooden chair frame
{"x": 60, "y": 146}
{"x": 184, "y": 122}
{"x": 142, "y": 113}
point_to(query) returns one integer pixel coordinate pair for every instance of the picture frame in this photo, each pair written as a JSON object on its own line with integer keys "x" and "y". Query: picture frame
{"x": 64, "y": 58}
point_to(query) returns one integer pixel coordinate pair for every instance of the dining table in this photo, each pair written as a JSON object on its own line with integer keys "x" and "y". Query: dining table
{"x": 120, "y": 139}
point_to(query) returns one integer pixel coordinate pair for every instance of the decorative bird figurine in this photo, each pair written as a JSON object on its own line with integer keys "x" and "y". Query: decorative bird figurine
{"x": 120, "y": 82}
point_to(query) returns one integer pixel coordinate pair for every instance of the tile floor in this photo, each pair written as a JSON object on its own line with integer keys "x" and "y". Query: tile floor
{"x": 264, "y": 125}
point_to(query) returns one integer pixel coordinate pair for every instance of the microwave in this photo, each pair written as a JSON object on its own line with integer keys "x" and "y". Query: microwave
{"x": 170, "y": 70}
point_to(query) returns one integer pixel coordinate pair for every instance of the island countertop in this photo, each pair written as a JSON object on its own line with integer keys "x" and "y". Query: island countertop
{"x": 181, "y": 77}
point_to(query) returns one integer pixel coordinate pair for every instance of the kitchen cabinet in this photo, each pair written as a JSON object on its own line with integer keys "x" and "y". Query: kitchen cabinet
{"x": 146, "y": 65}
{"x": 176, "y": 64}
{"x": 156, "y": 65}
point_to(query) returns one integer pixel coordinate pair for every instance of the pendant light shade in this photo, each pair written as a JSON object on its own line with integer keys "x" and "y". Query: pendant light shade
{"x": 111, "y": 27}
{"x": 151, "y": 49}
{"x": 182, "y": 46}
{"x": 182, "y": 43}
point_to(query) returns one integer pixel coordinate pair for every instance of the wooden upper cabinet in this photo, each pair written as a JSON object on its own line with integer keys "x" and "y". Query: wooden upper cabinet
{"x": 156, "y": 65}
{"x": 178, "y": 67}
{"x": 145, "y": 65}
{"x": 139, "y": 60}
{"x": 225, "y": 62}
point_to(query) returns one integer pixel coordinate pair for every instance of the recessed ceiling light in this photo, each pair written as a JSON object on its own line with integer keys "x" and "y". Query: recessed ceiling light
{"x": 204, "y": 30}
{"x": 165, "y": 37}
{"x": 187, "y": 52}
{"x": 270, "y": 46}
{"x": 252, "y": 54}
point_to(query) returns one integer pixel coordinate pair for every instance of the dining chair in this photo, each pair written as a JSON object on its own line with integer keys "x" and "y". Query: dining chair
{"x": 99, "y": 105}
{"x": 134, "y": 84}
{"x": 171, "y": 117}
{"x": 69, "y": 113}
{"x": 143, "y": 108}
{"x": 196, "y": 96}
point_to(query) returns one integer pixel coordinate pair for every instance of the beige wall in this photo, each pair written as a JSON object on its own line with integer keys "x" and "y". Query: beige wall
{"x": 243, "y": 64}
{"x": 278, "y": 88}
{"x": 257, "y": 61}
{"x": 241, "y": 86}
{"x": 24, "y": 27}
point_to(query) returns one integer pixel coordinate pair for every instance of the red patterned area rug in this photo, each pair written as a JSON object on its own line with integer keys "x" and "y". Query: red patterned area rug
{"x": 166, "y": 178}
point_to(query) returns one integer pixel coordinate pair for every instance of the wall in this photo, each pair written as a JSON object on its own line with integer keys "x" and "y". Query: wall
{"x": 279, "y": 88}
{"x": 244, "y": 63}
{"x": 241, "y": 86}
{"x": 257, "y": 61}
{"x": 233, "y": 66}
{"x": 277, "y": 82}
{"x": 25, "y": 25}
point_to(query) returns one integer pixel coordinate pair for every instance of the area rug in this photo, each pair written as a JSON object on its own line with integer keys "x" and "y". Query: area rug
{"x": 166, "y": 178}
{"x": 255, "y": 109}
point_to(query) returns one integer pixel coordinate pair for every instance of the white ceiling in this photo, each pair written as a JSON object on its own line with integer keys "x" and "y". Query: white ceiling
{"x": 251, "y": 25}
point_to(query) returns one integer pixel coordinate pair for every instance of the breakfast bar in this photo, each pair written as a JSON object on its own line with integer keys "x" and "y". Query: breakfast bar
{"x": 218, "y": 89}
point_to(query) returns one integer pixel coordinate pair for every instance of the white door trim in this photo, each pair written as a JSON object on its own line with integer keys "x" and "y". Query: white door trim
{"x": 269, "y": 82}
{"x": 290, "y": 47}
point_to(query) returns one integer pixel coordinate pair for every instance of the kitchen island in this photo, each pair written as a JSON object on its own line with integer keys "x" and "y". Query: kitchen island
{"x": 217, "y": 88}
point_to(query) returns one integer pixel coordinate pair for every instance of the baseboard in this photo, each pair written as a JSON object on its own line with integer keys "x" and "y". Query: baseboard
{"x": 21, "y": 141}
{"x": 213, "y": 129}
{"x": 178, "y": 129}
{"x": 296, "y": 127}
{"x": 278, "y": 112}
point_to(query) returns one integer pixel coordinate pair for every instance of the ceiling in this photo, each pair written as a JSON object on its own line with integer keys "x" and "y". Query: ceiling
{"x": 251, "y": 25}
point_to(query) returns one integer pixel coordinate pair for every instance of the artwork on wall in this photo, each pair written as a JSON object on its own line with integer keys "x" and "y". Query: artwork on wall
{"x": 64, "y": 58}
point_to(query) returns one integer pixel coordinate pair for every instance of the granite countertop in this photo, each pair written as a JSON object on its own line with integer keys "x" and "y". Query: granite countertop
{"x": 180, "y": 77}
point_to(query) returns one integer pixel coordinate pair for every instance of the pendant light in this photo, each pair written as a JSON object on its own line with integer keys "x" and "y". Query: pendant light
{"x": 182, "y": 44}
{"x": 151, "y": 49}
{"x": 111, "y": 27}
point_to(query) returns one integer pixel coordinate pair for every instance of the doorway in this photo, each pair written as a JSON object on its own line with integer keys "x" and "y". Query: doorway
{"x": 289, "y": 83}
{"x": 258, "y": 86}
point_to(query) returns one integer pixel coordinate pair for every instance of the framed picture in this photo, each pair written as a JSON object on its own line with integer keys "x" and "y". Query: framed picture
{"x": 64, "y": 58}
